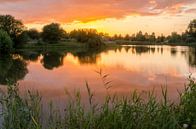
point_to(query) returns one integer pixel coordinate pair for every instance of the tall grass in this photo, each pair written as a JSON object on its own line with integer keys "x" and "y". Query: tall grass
{"x": 131, "y": 112}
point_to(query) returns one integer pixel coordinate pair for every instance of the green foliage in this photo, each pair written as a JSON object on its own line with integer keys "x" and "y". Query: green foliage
{"x": 140, "y": 36}
{"x": 52, "y": 33}
{"x": 87, "y": 36}
{"x": 187, "y": 105}
{"x": 6, "y": 43}
{"x": 20, "y": 113}
{"x": 174, "y": 38}
{"x": 192, "y": 28}
{"x": 22, "y": 38}
{"x": 160, "y": 39}
{"x": 132, "y": 112}
{"x": 33, "y": 34}
{"x": 12, "y": 26}
{"x": 189, "y": 36}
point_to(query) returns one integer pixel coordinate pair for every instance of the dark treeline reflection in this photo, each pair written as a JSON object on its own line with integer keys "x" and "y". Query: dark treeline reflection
{"x": 192, "y": 56}
{"x": 14, "y": 67}
{"x": 29, "y": 55}
{"x": 88, "y": 57}
{"x": 52, "y": 60}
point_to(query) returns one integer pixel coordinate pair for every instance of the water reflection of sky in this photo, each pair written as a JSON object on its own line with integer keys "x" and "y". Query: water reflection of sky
{"x": 131, "y": 67}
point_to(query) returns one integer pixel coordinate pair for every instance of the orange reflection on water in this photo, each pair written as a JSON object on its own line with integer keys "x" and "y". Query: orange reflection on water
{"x": 142, "y": 68}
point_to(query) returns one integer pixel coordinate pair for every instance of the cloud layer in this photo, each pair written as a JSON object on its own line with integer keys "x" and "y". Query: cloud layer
{"x": 33, "y": 11}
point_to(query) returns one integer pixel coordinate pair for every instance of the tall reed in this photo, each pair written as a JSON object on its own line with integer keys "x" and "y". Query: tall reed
{"x": 130, "y": 112}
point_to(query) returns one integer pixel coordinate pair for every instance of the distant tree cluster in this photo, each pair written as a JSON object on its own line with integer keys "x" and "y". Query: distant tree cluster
{"x": 13, "y": 33}
{"x": 136, "y": 37}
{"x": 89, "y": 36}
{"x": 187, "y": 37}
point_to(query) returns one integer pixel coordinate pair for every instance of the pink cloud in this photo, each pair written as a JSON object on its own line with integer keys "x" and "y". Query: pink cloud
{"x": 87, "y": 10}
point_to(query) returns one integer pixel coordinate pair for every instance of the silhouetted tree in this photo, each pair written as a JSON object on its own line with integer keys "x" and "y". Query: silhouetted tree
{"x": 152, "y": 37}
{"x": 174, "y": 38}
{"x": 146, "y": 36}
{"x": 140, "y": 36}
{"x": 52, "y": 33}
{"x": 127, "y": 37}
{"x": 88, "y": 36}
{"x": 12, "y": 26}
{"x": 192, "y": 28}
{"x": 160, "y": 39}
{"x": 22, "y": 38}
{"x": 33, "y": 34}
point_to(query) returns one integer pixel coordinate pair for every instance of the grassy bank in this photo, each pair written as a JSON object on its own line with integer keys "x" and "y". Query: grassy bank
{"x": 65, "y": 45}
{"x": 115, "y": 113}
{"x": 52, "y": 46}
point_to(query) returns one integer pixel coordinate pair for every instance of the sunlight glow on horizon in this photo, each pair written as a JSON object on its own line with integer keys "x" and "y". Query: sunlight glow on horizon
{"x": 129, "y": 25}
{"x": 111, "y": 16}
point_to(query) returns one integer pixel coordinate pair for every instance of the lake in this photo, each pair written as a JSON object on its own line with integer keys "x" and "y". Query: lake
{"x": 128, "y": 68}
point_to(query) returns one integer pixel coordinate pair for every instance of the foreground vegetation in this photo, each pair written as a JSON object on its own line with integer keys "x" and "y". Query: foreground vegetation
{"x": 132, "y": 112}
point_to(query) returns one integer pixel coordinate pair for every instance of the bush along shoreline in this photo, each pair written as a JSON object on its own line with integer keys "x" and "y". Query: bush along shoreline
{"x": 131, "y": 112}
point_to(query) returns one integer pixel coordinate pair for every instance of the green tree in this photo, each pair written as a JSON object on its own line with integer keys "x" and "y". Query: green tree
{"x": 90, "y": 37}
{"x": 160, "y": 39}
{"x": 192, "y": 28}
{"x": 127, "y": 37}
{"x": 140, "y": 36}
{"x": 52, "y": 33}
{"x": 6, "y": 43}
{"x": 33, "y": 34}
{"x": 12, "y": 26}
{"x": 146, "y": 36}
{"x": 190, "y": 35}
{"x": 22, "y": 38}
{"x": 174, "y": 38}
{"x": 152, "y": 37}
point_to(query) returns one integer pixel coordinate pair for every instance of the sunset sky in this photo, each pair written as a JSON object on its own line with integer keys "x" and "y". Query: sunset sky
{"x": 110, "y": 16}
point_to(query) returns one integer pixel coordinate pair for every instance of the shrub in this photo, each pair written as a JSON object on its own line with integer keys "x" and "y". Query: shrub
{"x": 94, "y": 42}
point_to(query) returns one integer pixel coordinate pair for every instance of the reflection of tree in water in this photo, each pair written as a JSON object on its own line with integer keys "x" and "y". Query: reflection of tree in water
{"x": 141, "y": 49}
{"x": 173, "y": 51}
{"x": 29, "y": 55}
{"x": 127, "y": 48}
{"x": 52, "y": 60}
{"x": 12, "y": 69}
{"x": 88, "y": 57}
{"x": 192, "y": 56}
{"x": 152, "y": 50}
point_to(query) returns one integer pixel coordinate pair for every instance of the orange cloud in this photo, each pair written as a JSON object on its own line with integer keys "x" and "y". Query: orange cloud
{"x": 43, "y": 11}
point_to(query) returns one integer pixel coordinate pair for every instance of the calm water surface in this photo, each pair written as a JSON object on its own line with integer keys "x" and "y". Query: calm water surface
{"x": 129, "y": 67}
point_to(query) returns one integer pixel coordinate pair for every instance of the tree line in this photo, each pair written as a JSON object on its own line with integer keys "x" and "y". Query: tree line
{"x": 189, "y": 36}
{"x": 13, "y": 34}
